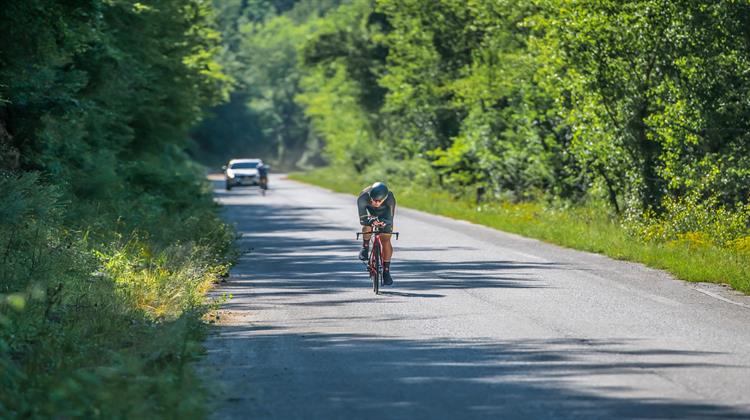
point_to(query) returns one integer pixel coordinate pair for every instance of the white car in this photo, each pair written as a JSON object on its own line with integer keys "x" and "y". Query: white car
{"x": 240, "y": 172}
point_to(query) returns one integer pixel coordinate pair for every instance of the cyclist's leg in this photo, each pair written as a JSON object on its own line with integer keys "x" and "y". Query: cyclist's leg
{"x": 366, "y": 230}
{"x": 366, "y": 234}
{"x": 385, "y": 240}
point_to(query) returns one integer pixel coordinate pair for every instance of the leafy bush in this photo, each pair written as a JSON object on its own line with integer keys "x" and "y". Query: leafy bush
{"x": 100, "y": 328}
{"x": 412, "y": 173}
{"x": 694, "y": 221}
{"x": 741, "y": 245}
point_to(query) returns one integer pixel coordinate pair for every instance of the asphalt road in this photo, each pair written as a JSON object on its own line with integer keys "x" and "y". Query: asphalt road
{"x": 478, "y": 324}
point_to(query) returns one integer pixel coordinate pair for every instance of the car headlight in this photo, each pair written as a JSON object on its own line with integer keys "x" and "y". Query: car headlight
{"x": 230, "y": 173}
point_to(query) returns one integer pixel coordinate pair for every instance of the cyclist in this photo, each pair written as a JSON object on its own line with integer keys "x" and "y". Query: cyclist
{"x": 377, "y": 206}
{"x": 263, "y": 174}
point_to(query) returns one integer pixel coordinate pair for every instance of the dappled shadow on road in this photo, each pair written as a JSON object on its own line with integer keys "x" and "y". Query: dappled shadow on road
{"x": 289, "y": 250}
{"x": 272, "y": 274}
{"x": 359, "y": 376}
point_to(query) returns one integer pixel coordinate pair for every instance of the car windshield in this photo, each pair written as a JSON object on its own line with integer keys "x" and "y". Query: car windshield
{"x": 244, "y": 165}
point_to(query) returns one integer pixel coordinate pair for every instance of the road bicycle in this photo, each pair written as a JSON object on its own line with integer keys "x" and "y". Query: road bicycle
{"x": 374, "y": 263}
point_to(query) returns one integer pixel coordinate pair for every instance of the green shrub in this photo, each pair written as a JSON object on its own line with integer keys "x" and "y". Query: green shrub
{"x": 692, "y": 220}
{"x": 100, "y": 322}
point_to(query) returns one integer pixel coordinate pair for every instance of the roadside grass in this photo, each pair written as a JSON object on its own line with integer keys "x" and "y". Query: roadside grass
{"x": 583, "y": 228}
{"x": 104, "y": 322}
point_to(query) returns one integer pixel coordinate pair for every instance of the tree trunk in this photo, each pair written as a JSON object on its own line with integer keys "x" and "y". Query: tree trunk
{"x": 649, "y": 151}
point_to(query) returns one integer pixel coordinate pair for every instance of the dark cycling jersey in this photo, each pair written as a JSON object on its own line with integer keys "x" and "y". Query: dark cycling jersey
{"x": 385, "y": 212}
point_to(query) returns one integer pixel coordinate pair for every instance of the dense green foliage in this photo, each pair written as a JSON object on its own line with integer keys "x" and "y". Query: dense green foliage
{"x": 263, "y": 119}
{"x": 108, "y": 233}
{"x": 637, "y": 107}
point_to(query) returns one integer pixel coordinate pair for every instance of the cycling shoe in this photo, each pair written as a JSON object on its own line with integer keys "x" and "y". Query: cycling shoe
{"x": 387, "y": 279}
{"x": 363, "y": 253}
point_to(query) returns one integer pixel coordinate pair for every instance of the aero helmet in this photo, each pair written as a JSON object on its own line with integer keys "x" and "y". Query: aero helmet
{"x": 378, "y": 191}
